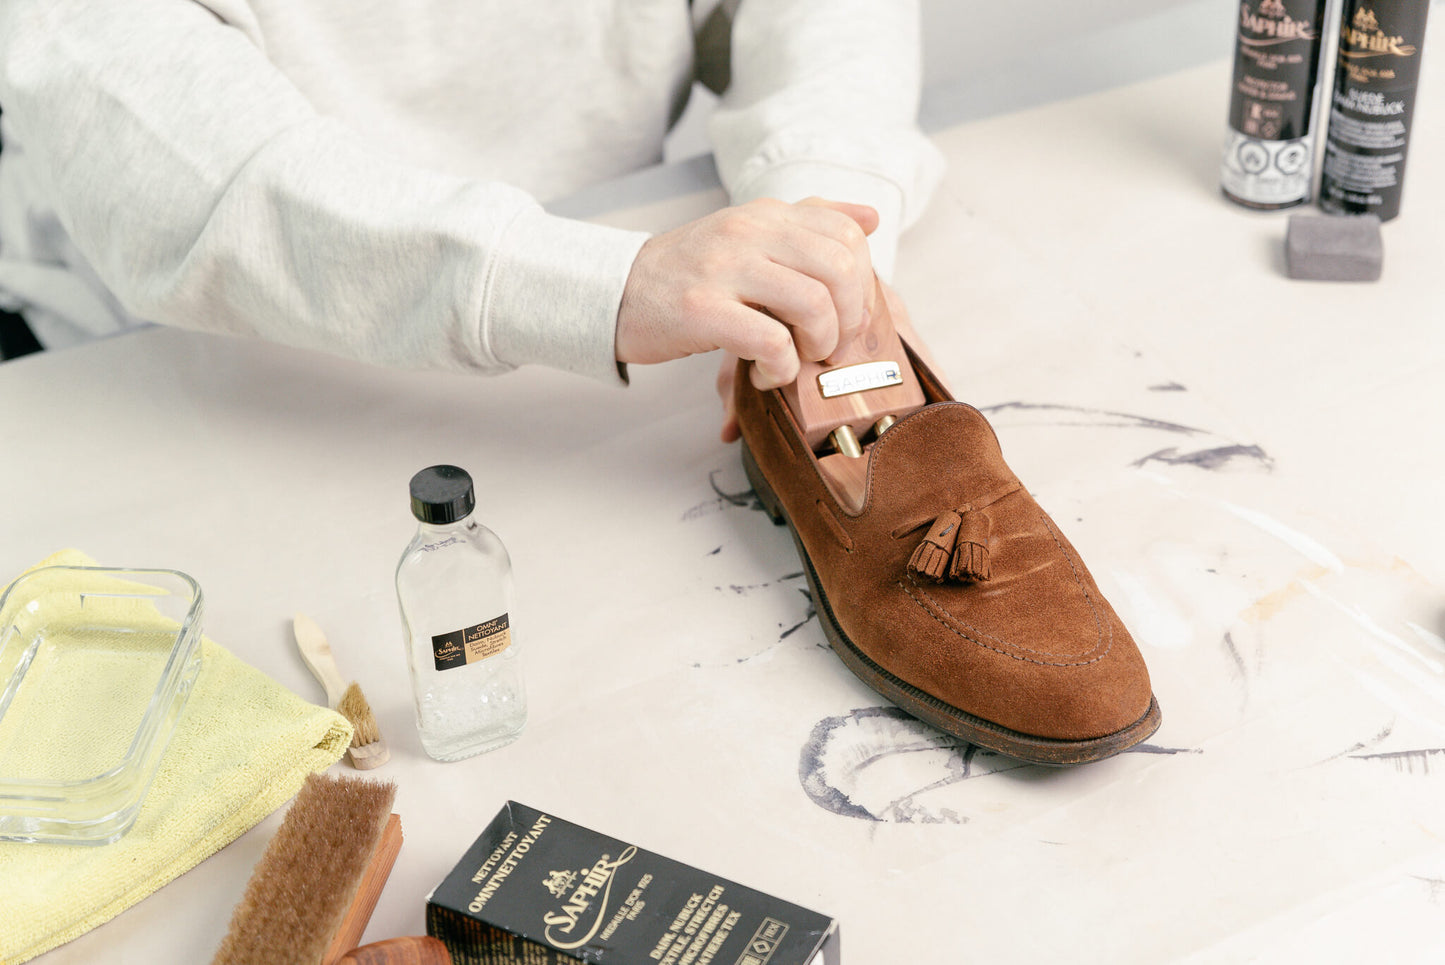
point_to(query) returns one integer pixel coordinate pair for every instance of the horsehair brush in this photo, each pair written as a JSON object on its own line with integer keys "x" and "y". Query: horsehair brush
{"x": 315, "y": 887}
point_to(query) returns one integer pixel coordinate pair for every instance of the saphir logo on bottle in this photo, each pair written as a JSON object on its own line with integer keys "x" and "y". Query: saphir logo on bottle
{"x": 1270, "y": 23}
{"x": 1362, "y": 37}
{"x": 449, "y": 653}
{"x": 588, "y": 899}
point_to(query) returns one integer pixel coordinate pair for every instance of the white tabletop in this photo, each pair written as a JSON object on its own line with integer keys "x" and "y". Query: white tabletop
{"x": 1250, "y": 465}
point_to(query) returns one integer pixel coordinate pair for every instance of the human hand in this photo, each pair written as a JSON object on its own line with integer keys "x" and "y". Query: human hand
{"x": 766, "y": 281}
{"x": 902, "y": 323}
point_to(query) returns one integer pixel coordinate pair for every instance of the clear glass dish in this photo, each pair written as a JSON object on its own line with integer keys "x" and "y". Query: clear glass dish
{"x": 96, "y": 664}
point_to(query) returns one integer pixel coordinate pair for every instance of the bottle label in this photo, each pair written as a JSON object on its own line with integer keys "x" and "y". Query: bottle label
{"x": 1370, "y": 110}
{"x": 1268, "y": 158}
{"x": 473, "y": 644}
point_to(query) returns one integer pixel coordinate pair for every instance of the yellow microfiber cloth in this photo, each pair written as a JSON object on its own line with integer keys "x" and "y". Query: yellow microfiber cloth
{"x": 241, "y": 749}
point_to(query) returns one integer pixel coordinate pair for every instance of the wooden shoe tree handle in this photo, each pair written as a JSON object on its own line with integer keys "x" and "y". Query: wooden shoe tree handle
{"x": 861, "y": 383}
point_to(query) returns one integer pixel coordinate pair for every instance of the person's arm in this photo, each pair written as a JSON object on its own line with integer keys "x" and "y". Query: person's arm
{"x": 823, "y": 101}
{"x": 208, "y": 193}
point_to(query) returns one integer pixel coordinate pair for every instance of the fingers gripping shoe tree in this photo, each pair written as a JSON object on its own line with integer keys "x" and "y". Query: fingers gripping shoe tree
{"x": 938, "y": 579}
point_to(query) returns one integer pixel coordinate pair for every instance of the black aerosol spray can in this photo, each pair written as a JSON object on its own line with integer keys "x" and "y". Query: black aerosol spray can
{"x": 1372, "y": 106}
{"x": 1269, "y": 148}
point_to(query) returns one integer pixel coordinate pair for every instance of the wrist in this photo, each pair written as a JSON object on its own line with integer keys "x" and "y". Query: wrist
{"x": 554, "y": 294}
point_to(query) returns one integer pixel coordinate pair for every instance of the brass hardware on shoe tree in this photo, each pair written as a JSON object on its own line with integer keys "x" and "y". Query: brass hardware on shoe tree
{"x": 845, "y": 442}
{"x": 865, "y": 380}
{"x": 878, "y": 428}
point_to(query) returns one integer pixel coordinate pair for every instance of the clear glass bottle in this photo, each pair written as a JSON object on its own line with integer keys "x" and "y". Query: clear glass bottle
{"x": 454, "y": 585}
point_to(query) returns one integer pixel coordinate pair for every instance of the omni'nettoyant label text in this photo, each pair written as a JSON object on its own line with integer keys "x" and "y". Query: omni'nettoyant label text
{"x": 472, "y": 644}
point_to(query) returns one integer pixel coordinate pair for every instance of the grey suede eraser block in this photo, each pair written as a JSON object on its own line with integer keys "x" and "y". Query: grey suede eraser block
{"x": 1325, "y": 247}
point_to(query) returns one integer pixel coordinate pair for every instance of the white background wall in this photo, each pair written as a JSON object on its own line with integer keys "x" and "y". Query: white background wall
{"x": 988, "y": 58}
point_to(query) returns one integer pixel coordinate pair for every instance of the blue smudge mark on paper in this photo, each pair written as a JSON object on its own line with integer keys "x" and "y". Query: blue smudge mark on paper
{"x": 1407, "y": 761}
{"x": 742, "y": 499}
{"x": 834, "y": 763}
{"x": 1213, "y": 459}
{"x": 1096, "y": 417}
{"x": 836, "y": 766}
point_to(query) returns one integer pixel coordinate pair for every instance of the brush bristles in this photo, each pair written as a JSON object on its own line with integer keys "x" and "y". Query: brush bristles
{"x": 305, "y": 883}
{"x": 353, "y": 707}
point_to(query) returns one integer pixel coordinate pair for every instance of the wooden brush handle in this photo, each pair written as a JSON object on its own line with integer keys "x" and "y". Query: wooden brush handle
{"x": 413, "y": 950}
{"x": 316, "y": 654}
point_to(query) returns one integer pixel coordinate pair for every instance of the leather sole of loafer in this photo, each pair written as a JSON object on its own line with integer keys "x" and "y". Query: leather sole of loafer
{"x": 928, "y": 708}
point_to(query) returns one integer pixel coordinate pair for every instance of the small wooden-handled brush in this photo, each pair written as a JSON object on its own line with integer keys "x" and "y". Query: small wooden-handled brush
{"x": 315, "y": 887}
{"x": 367, "y": 749}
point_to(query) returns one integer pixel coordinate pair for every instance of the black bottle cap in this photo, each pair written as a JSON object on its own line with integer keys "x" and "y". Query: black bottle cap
{"x": 441, "y": 494}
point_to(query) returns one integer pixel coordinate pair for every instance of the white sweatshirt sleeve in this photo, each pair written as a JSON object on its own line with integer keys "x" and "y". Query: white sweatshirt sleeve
{"x": 209, "y": 194}
{"x": 823, "y": 100}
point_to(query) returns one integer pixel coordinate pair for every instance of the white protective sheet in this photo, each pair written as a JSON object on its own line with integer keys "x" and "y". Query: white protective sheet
{"x": 1249, "y": 465}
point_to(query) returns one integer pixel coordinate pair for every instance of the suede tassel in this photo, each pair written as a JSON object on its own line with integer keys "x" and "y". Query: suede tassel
{"x": 955, "y": 548}
{"x": 930, "y": 559}
{"x": 970, "y": 555}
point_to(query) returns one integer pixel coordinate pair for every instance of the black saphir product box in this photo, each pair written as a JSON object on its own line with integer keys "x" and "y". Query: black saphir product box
{"x": 537, "y": 889}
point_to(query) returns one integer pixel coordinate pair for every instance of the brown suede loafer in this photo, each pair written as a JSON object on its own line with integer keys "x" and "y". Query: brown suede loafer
{"x": 950, "y": 591}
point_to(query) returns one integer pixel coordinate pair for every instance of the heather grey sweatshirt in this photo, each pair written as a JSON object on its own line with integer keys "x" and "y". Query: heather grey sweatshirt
{"x": 363, "y": 176}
